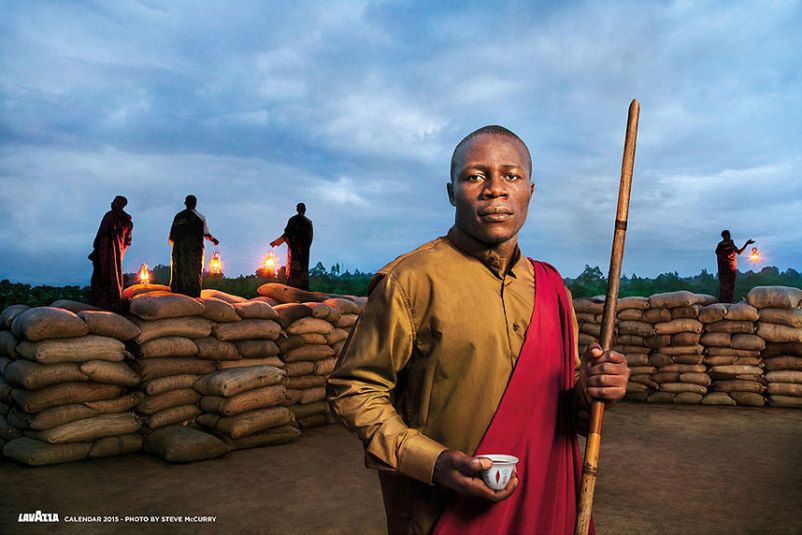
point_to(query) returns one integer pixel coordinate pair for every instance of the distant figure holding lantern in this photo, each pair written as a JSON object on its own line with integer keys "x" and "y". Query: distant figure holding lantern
{"x": 726, "y": 254}
{"x": 112, "y": 239}
{"x": 186, "y": 237}
{"x": 298, "y": 237}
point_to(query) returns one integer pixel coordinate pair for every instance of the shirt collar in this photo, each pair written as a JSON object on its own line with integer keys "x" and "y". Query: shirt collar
{"x": 490, "y": 258}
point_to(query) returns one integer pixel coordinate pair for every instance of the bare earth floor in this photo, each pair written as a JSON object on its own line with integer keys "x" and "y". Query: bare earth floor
{"x": 663, "y": 469}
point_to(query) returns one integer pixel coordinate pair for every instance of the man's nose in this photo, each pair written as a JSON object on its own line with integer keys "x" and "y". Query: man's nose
{"x": 496, "y": 186}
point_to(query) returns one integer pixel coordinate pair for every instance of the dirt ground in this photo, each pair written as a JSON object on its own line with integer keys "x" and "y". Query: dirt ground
{"x": 663, "y": 469}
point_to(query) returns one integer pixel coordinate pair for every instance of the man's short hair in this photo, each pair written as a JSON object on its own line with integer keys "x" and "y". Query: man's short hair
{"x": 725, "y": 234}
{"x": 300, "y": 208}
{"x": 120, "y": 201}
{"x": 495, "y": 130}
{"x": 191, "y": 201}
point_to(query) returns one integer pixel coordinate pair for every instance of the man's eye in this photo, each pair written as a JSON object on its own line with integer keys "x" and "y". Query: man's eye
{"x": 474, "y": 178}
{"x": 512, "y": 176}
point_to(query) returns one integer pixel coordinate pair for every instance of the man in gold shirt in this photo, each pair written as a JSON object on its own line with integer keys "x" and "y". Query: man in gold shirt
{"x": 427, "y": 364}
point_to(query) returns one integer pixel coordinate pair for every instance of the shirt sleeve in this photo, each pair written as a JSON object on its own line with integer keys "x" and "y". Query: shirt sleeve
{"x": 359, "y": 389}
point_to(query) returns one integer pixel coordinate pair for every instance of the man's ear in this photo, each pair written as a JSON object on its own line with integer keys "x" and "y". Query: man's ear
{"x": 450, "y": 188}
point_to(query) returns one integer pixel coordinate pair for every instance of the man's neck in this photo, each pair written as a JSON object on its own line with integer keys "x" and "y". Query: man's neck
{"x": 504, "y": 255}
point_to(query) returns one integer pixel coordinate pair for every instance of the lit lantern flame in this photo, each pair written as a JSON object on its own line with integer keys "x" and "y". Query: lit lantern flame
{"x": 269, "y": 265}
{"x": 215, "y": 264}
{"x": 144, "y": 274}
{"x": 755, "y": 255}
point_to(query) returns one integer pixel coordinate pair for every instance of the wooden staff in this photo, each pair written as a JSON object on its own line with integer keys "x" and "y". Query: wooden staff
{"x": 608, "y": 320}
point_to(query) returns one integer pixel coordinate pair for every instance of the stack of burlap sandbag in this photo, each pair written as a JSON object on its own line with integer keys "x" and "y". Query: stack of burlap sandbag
{"x": 780, "y": 325}
{"x": 676, "y": 351}
{"x": 632, "y": 332}
{"x": 245, "y": 406}
{"x": 588, "y": 312}
{"x": 71, "y": 391}
{"x": 732, "y": 354}
{"x": 8, "y": 353}
{"x": 167, "y": 356}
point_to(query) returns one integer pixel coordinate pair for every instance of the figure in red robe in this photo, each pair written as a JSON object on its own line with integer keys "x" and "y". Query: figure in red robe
{"x": 298, "y": 237}
{"x": 726, "y": 255}
{"x": 113, "y": 238}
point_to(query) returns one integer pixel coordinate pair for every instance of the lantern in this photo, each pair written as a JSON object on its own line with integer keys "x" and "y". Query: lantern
{"x": 268, "y": 269}
{"x": 144, "y": 274}
{"x": 754, "y": 256}
{"x": 215, "y": 265}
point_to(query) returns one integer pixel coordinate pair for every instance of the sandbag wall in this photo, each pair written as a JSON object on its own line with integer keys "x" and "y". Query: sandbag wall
{"x": 685, "y": 348}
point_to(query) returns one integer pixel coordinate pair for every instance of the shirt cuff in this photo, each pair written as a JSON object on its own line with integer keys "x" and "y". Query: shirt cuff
{"x": 417, "y": 457}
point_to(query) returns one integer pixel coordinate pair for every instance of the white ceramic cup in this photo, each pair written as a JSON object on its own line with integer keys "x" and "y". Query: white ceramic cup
{"x": 497, "y": 476}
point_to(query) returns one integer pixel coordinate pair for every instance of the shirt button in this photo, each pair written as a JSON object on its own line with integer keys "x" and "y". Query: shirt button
{"x": 515, "y": 327}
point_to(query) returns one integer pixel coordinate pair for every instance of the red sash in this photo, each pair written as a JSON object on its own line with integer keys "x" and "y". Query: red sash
{"x": 534, "y": 422}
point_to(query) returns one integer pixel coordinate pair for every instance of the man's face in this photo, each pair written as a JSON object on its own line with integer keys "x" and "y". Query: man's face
{"x": 491, "y": 189}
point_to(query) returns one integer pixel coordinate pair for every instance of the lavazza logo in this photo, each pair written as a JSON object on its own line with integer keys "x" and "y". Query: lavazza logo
{"x": 38, "y": 516}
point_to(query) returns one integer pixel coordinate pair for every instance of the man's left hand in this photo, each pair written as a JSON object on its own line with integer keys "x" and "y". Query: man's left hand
{"x": 603, "y": 375}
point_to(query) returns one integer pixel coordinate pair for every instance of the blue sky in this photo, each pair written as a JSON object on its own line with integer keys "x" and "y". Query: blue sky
{"x": 354, "y": 108}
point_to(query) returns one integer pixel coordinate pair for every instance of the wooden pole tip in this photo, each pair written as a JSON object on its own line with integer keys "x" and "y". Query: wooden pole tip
{"x": 634, "y": 105}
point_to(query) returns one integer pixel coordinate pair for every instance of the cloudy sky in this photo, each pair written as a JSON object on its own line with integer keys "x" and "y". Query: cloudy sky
{"x": 354, "y": 108}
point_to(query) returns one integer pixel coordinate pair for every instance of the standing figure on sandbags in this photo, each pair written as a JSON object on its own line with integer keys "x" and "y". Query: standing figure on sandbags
{"x": 298, "y": 236}
{"x": 112, "y": 239}
{"x": 186, "y": 238}
{"x": 726, "y": 254}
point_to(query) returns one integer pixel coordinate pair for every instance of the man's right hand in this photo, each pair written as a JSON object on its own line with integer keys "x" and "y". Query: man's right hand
{"x": 463, "y": 473}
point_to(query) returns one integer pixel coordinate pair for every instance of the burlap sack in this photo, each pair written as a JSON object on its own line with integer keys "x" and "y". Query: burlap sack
{"x": 685, "y": 325}
{"x": 249, "y": 329}
{"x": 44, "y": 323}
{"x": 682, "y": 350}
{"x": 94, "y": 428}
{"x": 192, "y": 327}
{"x": 741, "y": 312}
{"x": 584, "y": 340}
{"x": 791, "y": 318}
{"x": 683, "y": 387}
{"x": 324, "y": 311}
{"x": 170, "y": 382}
{"x": 73, "y": 306}
{"x": 218, "y": 310}
{"x": 659, "y": 360}
{"x": 642, "y": 370}
{"x": 172, "y": 415}
{"x": 173, "y": 398}
{"x": 248, "y": 422}
{"x": 180, "y": 444}
{"x": 346, "y": 321}
{"x": 269, "y": 437}
{"x": 630, "y": 340}
{"x": 248, "y": 363}
{"x": 645, "y": 380}
{"x": 255, "y": 310}
{"x": 720, "y": 360}
{"x": 682, "y": 298}
{"x": 37, "y": 453}
{"x": 288, "y": 294}
{"x": 5, "y": 392}
{"x": 657, "y": 315}
{"x": 785, "y": 389}
{"x": 691, "y": 312}
{"x": 690, "y": 358}
{"x": 210, "y": 348}
{"x": 223, "y": 296}
{"x": 7, "y": 432}
{"x": 696, "y": 378}
{"x": 293, "y": 396}
{"x": 635, "y": 327}
{"x": 312, "y": 352}
{"x": 302, "y": 411}
{"x": 63, "y": 394}
{"x": 729, "y": 352}
{"x": 325, "y": 367}
{"x": 732, "y": 327}
{"x": 118, "y": 445}
{"x": 685, "y": 339}
{"x": 309, "y": 381}
{"x": 33, "y": 376}
{"x": 314, "y": 420}
{"x": 310, "y": 325}
{"x": 771, "y": 332}
{"x": 748, "y": 399}
{"x": 4, "y": 362}
{"x": 738, "y": 386}
{"x": 747, "y": 341}
{"x": 109, "y": 324}
{"x": 713, "y": 313}
{"x": 169, "y": 346}
{"x": 632, "y": 314}
{"x": 344, "y": 306}
{"x": 109, "y": 373}
{"x": 683, "y": 368}
{"x": 9, "y": 313}
{"x": 735, "y": 370}
{"x": 289, "y": 313}
{"x": 636, "y": 359}
{"x": 718, "y": 398}
{"x": 153, "y": 368}
{"x": 8, "y": 345}
{"x": 791, "y": 402}
{"x": 688, "y": 398}
{"x": 716, "y": 339}
{"x": 657, "y": 341}
{"x": 774, "y": 297}
{"x": 269, "y": 300}
{"x": 229, "y": 383}
{"x": 636, "y": 396}
{"x": 80, "y": 349}
{"x": 63, "y": 414}
{"x": 592, "y": 329}
{"x": 138, "y": 289}
{"x": 636, "y": 387}
{"x": 633, "y": 303}
{"x": 311, "y": 395}
{"x": 257, "y": 349}
{"x": 783, "y": 362}
{"x": 776, "y": 349}
{"x": 163, "y": 305}
{"x": 338, "y": 347}
{"x": 588, "y": 306}
{"x": 299, "y": 369}
{"x": 336, "y": 335}
{"x": 258, "y": 398}
{"x": 584, "y": 316}
{"x": 661, "y": 397}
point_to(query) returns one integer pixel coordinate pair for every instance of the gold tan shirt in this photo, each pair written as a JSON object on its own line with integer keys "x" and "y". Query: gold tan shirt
{"x": 427, "y": 363}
